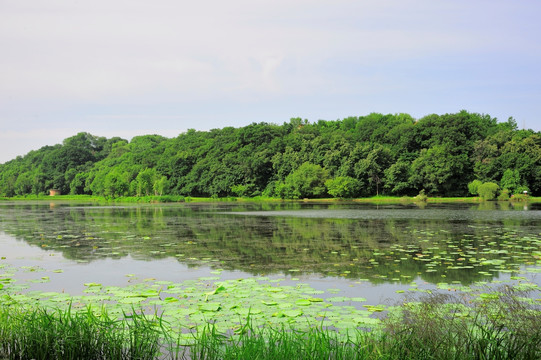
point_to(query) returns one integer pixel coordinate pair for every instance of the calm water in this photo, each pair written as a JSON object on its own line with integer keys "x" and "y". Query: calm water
{"x": 365, "y": 250}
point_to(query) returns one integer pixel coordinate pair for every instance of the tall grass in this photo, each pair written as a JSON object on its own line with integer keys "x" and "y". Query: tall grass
{"x": 64, "y": 334}
{"x": 283, "y": 343}
{"x": 501, "y": 325}
{"x": 442, "y": 326}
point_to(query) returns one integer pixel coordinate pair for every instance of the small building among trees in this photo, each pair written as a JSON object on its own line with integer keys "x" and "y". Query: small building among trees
{"x": 54, "y": 192}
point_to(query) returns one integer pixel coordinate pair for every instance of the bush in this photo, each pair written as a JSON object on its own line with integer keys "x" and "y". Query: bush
{"x": 421, "y": 197}
{"x": 307, "y": 181}
{"x": 240, "y": 190}
{"x": 504, "y": 195}
{"x": 520, "y": 197}
{"x": 343, "y": 187}
{"x": 522, "y": 190}
{"x": 488, "y": 190}
{"x": 473, "y": 187}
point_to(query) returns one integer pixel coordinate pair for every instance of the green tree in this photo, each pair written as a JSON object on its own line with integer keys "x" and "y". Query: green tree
{"x": 488, "y": 190}
{"x": 510, "y": 180}
{"x": 78, "y": 184}
{"x": 372, "y": 168}
{"x": 160, "y": 185}
{"x": 115, "y": 184}
{"x": 23, "y": 184}
{"x": 439, "y": 171}
{"x": 397, "y": 178}
{"x": 308, "y": 181}
{"x": 391, "y": 153}
{"x": 343, "y": 187}
{"x": 473, "y": 187}
{"x": 145, "y": 182}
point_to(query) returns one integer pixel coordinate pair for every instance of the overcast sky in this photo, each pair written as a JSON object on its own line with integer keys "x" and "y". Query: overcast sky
{"x": 131, "y": 67}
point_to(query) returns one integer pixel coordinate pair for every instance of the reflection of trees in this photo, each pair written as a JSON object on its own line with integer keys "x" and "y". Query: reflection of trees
{"x": 377, "y": 249}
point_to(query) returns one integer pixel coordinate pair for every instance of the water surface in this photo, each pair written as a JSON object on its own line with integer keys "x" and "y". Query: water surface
{"x": 371, "y": 251}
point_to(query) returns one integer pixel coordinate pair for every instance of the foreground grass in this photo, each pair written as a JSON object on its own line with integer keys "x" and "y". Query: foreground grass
{"x": 503, "y": 325}
{"x": 63, "y": 334}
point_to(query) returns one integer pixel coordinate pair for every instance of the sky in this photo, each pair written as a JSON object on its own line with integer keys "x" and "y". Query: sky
{"x": 133, "y": 67}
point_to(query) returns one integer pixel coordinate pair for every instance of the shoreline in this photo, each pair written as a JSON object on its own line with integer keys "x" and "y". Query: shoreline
{"x": 190, "y": 199}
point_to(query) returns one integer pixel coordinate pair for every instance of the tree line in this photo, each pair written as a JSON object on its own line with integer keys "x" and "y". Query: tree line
{"x": 354, "y": 157}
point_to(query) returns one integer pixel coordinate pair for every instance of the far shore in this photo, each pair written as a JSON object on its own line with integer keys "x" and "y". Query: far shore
{"x": 190, "y": 199}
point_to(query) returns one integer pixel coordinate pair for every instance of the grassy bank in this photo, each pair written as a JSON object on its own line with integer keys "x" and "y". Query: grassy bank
{"x": 181, "y": 199}
{"x": 499, "y": 325}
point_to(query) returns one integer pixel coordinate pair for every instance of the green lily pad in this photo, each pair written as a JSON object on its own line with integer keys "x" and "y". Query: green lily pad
{"x": 303, "y": 302}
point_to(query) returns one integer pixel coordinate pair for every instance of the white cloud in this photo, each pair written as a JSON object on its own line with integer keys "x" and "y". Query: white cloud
{"x": 100, "y": 50}
{"x": 65, "y": 61}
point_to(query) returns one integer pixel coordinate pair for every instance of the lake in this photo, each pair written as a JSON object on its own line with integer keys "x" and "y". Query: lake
{"x": 359, "y": 250}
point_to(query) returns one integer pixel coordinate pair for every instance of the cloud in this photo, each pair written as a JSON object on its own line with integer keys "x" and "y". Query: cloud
{"x": 100, "y": 51}
{"x": 67, "y": 64}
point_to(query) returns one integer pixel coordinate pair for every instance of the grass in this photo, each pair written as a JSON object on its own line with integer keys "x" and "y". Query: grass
{"x": 442, "y": 326}
{"x": 63, "y": 334}
{"x": 284, "y": 343}
{"x": 177, "y": 198}
{"x": 501, "y": 325}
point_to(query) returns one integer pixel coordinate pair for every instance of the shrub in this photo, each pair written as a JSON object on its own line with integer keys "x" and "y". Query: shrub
{"x": 307, "y": 181}
{"x": 473, "y": 187}
{"x": 343, "y": 187}
{"x": 504, "y": 195}
{"x": 421, "y": 197}
{"x": 488, "y": 190}
{"x": 240, "y": 190}
{"x": 520, "y": 197}
{"x": 522, "y": 190}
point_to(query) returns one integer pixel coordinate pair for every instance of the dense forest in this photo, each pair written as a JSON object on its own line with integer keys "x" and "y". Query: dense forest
{"x": 442, "y": 155}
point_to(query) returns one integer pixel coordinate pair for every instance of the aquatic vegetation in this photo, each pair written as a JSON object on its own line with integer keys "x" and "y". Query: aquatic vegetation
{"x": 504, "y": 325}
{"x": 212, "y": 318}
{"x": 37, "y": 333}
{"x": 466, "y": 281}
{"x": 225, "y": 304}
{"x": 495, "y": 325}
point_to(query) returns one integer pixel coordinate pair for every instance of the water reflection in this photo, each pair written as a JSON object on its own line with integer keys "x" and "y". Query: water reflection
{"x": 389, "y": 243}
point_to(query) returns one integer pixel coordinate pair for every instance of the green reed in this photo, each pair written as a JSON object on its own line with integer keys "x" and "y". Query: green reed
{"x": 65, "y": 334}
{"x": 442, "y": 326}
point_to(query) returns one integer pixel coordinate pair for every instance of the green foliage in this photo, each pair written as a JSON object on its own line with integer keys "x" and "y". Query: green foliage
{"x": 42, "y": 333}
{"x": 504, "y": 195}
{"x": 387, "y": 154}
{"x": 343, "y": 187}
{"x": 160, "y": 185}
{"x": 510, "y": 180}
{"x": 397, "y": 178}
{"x": 473, "y": 187}
{"x": 520, "y": 197}
{"x": 490, "y": 325}
{"x": 115, "y": 184}
{"x": 442, "y": 326}
{"x": 78, "y": 184}
{"x": 421, "y": 196}
{"x": 439, "y": 171}
{"x": 488, "y": 190}
{"x": 307, "y": 181}
{"x": 144, "y": 182}
{"x": 372, "y": 167}
{"x": 242, "y": 190}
